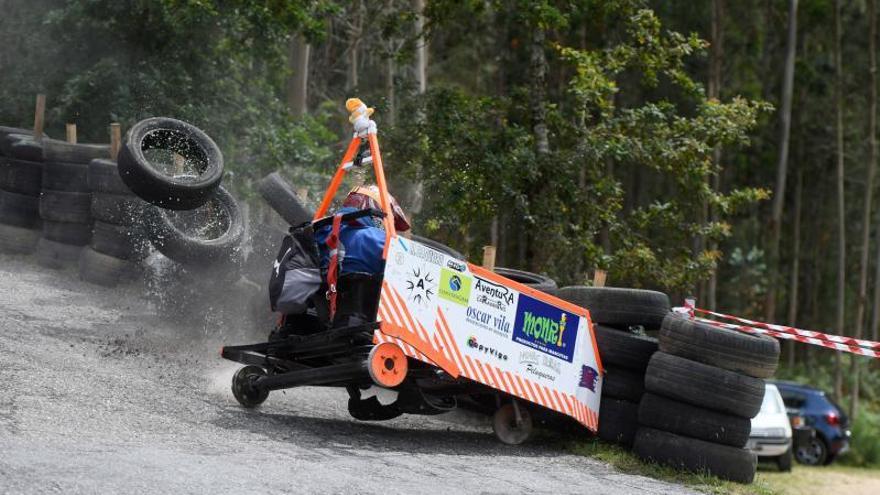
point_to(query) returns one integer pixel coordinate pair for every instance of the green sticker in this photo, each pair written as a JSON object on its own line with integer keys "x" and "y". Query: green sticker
{"x": 455, "y": 286}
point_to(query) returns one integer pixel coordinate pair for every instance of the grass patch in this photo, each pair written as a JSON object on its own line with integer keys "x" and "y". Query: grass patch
{"x": 628, "y": 463}
{"x": 807, "y": 480}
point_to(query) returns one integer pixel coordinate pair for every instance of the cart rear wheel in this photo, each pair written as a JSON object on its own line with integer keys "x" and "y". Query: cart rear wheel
{"x": 244, "y": 390}
{"x": 512, "y": 424}
{"x": 388, "y": 365}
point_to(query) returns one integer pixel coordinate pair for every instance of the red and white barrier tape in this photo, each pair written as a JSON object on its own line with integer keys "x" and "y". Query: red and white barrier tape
{"x": 837, "y": 342}
{"x": 807, "y": 340}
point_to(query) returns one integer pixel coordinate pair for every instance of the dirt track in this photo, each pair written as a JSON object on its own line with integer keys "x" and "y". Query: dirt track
{"x": 99, "y": 395}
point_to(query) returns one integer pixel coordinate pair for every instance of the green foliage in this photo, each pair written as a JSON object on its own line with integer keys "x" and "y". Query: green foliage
{"x": 477, "y": 155}
{"x": 865, "y": 444}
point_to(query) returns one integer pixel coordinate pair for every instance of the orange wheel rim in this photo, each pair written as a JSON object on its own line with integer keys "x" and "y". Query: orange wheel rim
{"x": 388, "y": 365}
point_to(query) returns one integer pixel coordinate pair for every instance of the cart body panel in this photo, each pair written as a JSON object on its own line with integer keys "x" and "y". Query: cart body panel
{"x": 474, "y": 323}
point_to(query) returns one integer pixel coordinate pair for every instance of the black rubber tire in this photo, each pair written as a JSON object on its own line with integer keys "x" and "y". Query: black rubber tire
{"x": 62, "y": 151}
{"x": 619, "y": 307}
{"x": 23, "y": 147}
{"x": 6, "y": 131}
{"x": 119, "y": 209}
{"x": 74, "y": 234}
{"x": 16, "y": 240}
{"x": 180, "y": 247}
{"x": 621, "y": 383}
{"x": 681, "y": 418}
{"x": 103, "y": 177}
{"x": 754, "y": 355}
{"x": 443, "y": 248}
{"x": 126, "y": 242}
{"x": 533, "y": 280}
{"x": 56, "y": 255}
{"x": 19, "y": 210}
{"x": 618, "y": 420}
{"x": 279, "y": 194}
{"x": 247, "y": 395}
{"x": 64, "y": 176}
{"x": 623, "y": 348}
{"x": 704, "y": 386}
{"x": 21, "y": 176}
{"x": 372, "y": 410}
{"x": 506, "y": 428}
{"x": 816, "y": 453}
{"x": 63, "y": 206}
{"x": 153, "y": 185}
{"x": 694, "y": 455}
{"x": 784, "y": 461}
{"x": 101, "y": 269}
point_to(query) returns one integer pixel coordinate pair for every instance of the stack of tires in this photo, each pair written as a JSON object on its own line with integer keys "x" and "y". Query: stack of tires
{"x": 620, "y": 319}
{"x": 118, "y": 240}
{"x": 702, "y": 389}
{"x": 21, "y": 170}
{"x": 65, "y": 201}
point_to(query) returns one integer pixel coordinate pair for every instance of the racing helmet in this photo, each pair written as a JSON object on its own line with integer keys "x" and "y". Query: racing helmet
{"x": 363, "y": 197}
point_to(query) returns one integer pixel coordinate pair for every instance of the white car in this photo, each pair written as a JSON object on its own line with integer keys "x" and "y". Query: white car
{"x": 771, "y": 430}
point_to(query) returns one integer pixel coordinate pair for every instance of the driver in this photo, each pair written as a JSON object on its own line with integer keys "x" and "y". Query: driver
{"x": 362, "y": 239}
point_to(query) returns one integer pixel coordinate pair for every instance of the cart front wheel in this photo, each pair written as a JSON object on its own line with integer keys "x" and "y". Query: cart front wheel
{"x": 246, "y": 393}
{"x": 512, "y": 424}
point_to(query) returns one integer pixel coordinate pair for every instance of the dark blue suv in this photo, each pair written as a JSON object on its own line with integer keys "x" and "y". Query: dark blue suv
{"x": 823, "y": 415}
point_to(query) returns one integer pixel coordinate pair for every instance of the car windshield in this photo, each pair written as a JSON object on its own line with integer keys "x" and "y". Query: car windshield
{"x": 770, "y": 404}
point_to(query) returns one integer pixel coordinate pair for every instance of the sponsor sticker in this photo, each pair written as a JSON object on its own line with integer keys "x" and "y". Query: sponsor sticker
{"x": 589, "y": 377}
{"x": 421, "y": 286}
{"x": 540, "y": 365}
{"x": 456, "y": 265}
{"x": 454, "y": 286}
{"x": 494, "y": 322}
{"x": 427, "y": 254}
{"x": 546, "y": 328}
{"x": 486, "y": 350}
{"x": 494, "y": 295}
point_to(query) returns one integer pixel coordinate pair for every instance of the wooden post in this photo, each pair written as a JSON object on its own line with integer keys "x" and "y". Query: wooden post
{"x": 71, "y": 133}
{"x": 599, "y": 278}
{"x": 39, "y": 116}
{"x": 179, "y": 163}
{"x": 115, "y": 140}
{"x": 489, "y": 257}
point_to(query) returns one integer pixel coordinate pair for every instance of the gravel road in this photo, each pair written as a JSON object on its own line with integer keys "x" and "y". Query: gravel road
{"x": 100, "y": 395}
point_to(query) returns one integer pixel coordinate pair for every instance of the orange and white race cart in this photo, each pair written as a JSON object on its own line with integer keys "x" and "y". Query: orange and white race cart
{"x": 441, "y": 333}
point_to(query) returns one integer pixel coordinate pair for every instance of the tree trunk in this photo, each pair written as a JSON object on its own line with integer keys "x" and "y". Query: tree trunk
{"x": 355, "y": 35}
{"x": 841, "y": 212}
{"x": 390, "y": 50}
{"x": 782, "y": 164}
{"x": 421, "y": 62}
{"x": 298, "y": 81}
{"x": 538, "y": 75}
{"x": 866, "y": 212}
{"x": 794, "y": 281}
{"x": 716, "y": 65}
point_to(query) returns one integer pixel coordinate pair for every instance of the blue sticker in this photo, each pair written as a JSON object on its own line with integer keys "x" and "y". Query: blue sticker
{"x": 545, "y": 327}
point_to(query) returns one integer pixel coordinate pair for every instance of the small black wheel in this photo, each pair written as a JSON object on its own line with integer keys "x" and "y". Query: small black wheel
{"x": 814, "y": 453}
{"x": 512, "y": 424}
{"x": 243, "y": 387}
